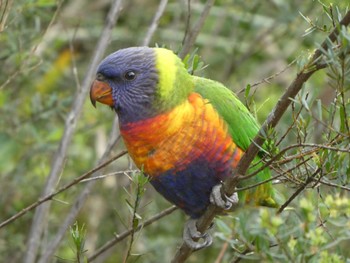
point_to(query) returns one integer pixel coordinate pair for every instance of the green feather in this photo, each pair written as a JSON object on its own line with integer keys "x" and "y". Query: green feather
{"x": 242, "y": 127}
{"x": 241, "y": 124}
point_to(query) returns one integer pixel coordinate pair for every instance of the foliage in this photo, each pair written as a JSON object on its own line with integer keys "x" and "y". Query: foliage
{"x": 78, "y": 235}
{"x": 254, "y": 47}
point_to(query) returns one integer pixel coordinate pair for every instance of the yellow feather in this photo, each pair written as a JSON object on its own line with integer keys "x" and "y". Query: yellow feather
{"x": 166, "y": 65}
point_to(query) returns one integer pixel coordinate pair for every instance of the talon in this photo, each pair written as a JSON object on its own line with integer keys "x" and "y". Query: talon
{"x": 216, "y": 198}
{"x": 190, "y": 233}
{"x": 233, "y": 199}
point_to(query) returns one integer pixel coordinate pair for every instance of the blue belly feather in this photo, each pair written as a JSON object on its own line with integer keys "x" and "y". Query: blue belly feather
{"x": 189, "y": 189}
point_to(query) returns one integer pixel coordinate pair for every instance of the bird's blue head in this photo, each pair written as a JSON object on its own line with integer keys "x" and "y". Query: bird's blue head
{"x": 141, "y": 82}
{"x": 126, "y": 81}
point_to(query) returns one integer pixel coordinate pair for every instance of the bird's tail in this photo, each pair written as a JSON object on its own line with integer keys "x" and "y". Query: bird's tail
{"x": 261, "y": 192}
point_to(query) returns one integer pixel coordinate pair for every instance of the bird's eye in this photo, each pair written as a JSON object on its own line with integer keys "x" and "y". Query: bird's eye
{"x": 130, "y": 75}
{"x": 100, "y": 77}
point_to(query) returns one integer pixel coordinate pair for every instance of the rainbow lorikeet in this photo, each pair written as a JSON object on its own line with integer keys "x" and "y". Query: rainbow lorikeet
{"x": 185, "y": 132}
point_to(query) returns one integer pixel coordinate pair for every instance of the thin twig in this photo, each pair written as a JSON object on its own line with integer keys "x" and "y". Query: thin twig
{"x": 134, "y": 220}
{"x": 334, "y": 185}
{"x": 41, "y": 212}
{"x": 155, "y": 22}
{"x": 4, "y": 13}
{"x": 272, "y": 120}
{"x": 60, "y": 190}
{"x": 316, "y": 147}
{"x": 192, "y": 34}
{"x": 273, "y": 178}
{"x": 125, "y": 234}
{"x": 295, "y": 118}
{"x": 25, "y": 64}
{"x": 51, "y": 247}
{"x": 99, "y": 177}
{"x": 222, "y": 252}
{"x": 188, "y": 21}
{"x": 267, "y": 79}
{"x": 298, "y": 191}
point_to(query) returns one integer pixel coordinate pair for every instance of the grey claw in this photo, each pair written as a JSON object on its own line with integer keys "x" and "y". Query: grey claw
{"x": 191, "y": 232}
{"x": 216, "y": 198}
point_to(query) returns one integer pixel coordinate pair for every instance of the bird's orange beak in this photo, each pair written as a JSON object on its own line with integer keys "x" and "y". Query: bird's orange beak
{"x": 101, "y": 91}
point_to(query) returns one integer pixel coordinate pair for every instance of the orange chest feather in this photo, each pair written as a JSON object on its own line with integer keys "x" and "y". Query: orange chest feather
{"x": 173, "y": 140}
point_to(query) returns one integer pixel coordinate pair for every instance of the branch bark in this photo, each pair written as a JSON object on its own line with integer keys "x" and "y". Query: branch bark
{"x": 70, "y": 125}
{"x": 298, "y": 191}
{"x": 4, "y": 13}
{"x": 155, "y": 22}
{"x": 60, "y": 190}
{"x": 272, "y": 120}
{"x": 50, "y": 249}
{"x": 191, "y": 36}
{"x": 125, "y": 234}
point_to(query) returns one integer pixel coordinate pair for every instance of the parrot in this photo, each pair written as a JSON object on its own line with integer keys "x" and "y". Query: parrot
{"x": 186, "y": 133}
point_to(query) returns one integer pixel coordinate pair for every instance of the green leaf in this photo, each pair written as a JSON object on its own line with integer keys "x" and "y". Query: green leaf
{"x": 247, "y": 91}
{"x": 342, "y": 119}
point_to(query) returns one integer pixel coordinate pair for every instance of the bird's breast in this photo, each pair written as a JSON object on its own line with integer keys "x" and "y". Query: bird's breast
{"x": 171, "y": 141}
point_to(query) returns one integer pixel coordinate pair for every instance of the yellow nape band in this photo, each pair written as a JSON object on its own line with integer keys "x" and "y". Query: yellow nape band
{"x": 167, "y": 68}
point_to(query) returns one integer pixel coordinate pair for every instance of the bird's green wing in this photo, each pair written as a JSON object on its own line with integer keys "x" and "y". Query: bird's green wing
{"x": 242, "y": 127}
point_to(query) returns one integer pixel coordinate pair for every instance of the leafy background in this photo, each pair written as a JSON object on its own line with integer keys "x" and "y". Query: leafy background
{"x": 46, "y": 48}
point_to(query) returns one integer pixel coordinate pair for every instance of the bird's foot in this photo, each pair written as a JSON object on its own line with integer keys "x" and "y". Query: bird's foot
{"x": 191, "y": 234}
{"x": 216, "y": 198}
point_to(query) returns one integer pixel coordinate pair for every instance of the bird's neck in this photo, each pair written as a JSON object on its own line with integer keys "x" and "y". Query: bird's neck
{"x": 155, "y": 129}
{"x": 145, "y": 138}
{"x": 135, "y": 114}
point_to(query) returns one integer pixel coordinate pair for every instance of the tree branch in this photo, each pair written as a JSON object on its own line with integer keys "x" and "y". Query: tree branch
{"x": 70, "y": 125}
{"x": 60, "y": 190}
{"x": 298, "y": 191}
{"x": 155, "y": 22}
{"x": 4, "y": 12}
{"x": 272, "y": 120}
{"x": 51, "y": 247}
{"x": 191, "y": 36}
{"x": 125, "y": 234}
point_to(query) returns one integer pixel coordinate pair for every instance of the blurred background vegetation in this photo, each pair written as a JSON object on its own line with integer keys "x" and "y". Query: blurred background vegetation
{"x": 46, "y": 47}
